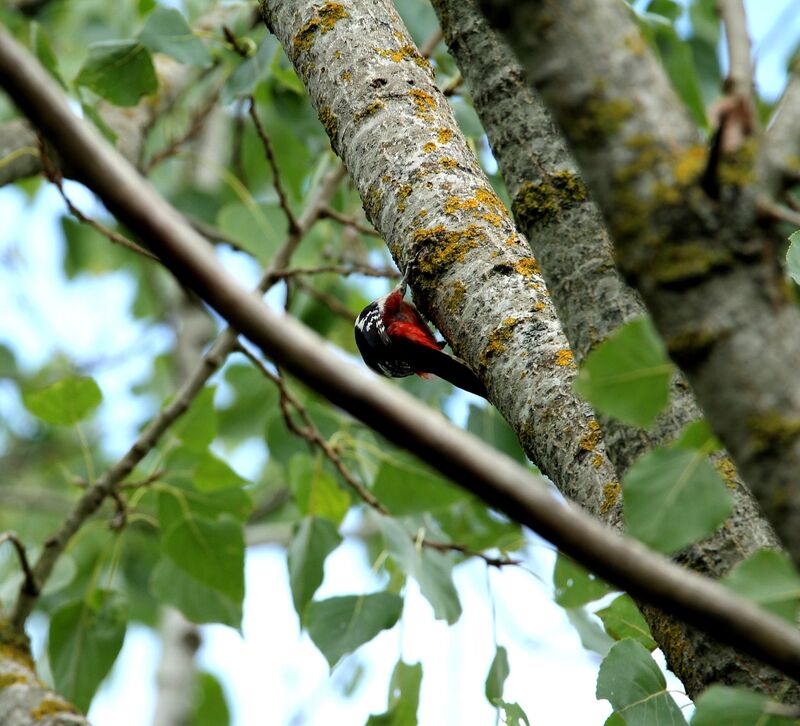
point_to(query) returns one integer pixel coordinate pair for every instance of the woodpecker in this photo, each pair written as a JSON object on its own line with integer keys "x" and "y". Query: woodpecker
{"x": 395, "y": 341}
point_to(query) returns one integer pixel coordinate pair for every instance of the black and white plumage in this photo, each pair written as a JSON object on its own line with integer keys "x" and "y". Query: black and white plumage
{"x": 396, "y": 342}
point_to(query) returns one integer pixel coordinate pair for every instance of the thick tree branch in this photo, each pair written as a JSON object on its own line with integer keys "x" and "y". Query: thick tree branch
{"x": 571, "y": 244}
{"x": 705, "y": 269}
{"x": 495, "y": 478}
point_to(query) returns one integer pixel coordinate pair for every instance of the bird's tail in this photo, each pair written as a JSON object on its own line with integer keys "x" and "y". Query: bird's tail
{"x": 452, "y": 369}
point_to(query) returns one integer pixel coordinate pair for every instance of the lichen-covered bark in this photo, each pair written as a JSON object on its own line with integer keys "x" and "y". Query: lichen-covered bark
{"x": 24, "y": 699}
{"x": 568, "y": 236}
{"x": 422, "y": 188}
{"x": 703, "y": 266}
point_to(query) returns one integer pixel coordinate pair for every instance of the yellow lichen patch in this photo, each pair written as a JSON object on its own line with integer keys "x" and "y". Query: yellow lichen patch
{"x": 727, "y": 470}
{"x": 373, "y": 200}
{"x": 346, "y": 76}
{"x": 444, "y": 135}
{"x": 597, "y": 461}
{"x": 429, "y": 147}
{"x": 447, "y": 162}
{"x": 424, "y": 102}
{"x": 527, "y": 266}
{"x": 564, "y": 357}
{"x": 611, "y": 492}
{"x": 11, "y": 679}
{"x": 453, "y": 204}
{"x": 404, "y": 52}
{"x": 49, "y": 706}
{"x": 329, "y": 122}
{"x": 590, "y": 440}
{"x": 320, "y": 23}
{"x": 634, "y": 42}
{"x": 690, "y": 165}
{"x": 368, "y": 110}
{"x": 498, "y": 339}
{"x": 456, "y": 298}
{"x": 440, "y": 248}
{"x": 737, "y": 169}
{"x": 539, "y": 306}
{"x": 403, "y": 194}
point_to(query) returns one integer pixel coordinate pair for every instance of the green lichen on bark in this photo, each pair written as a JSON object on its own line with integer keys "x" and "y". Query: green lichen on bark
{"x": 540, "y": 203}
{"x": 596, "y": 118}
{"x": 771, "y": 432}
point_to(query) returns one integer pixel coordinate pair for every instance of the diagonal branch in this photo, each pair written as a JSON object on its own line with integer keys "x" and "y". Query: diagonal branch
{"x": 495, "y": 478}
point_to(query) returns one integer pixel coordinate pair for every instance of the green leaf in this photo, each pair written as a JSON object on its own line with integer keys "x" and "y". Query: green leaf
{"x": 210, "y": 705}
{"x": 768, "y": 578}
{"x": 250, "y": 72}
{"x": 40, "y": 44}
{"x": 591, "y": 633}
{"x": 212, "y": 474}
{"x": 316, "y": 490}
{"x": 180, "y": 495}
{"x": 341, "y": 624}
{"x": 627, "y": 376}
{"x": 793, "y": 256}
{"x": 407, "y": 488}
{"x": 171, "y": 585}
{"x": 489, "y": 426}
{"x": 256, "y": 228}
{"x": 166, "y": 31}
{"x": 576, "y": 586}
{"x": 121, "y": 71}
{"x": 697, "y": 435}
{"x": 85, "y": 638}
{"x": 403, "y": 697}
{"x": 64, "y": 402}
{"x": 614, "y": 720}
{"x": 210, "y": 551}
{"x": 496, "y": 678}
{"x": 313, "y": 541}
{"x": 198, "y": 426}
{"x": 630, "y": 679}
{"x": 513, "y": 715}
{"x": 673, "y": 497}
{"x": 622, "y": 619}
{"x": 735, "y": 707}
{"x": 432, "y": 570}
{"x": 254, "y": 401}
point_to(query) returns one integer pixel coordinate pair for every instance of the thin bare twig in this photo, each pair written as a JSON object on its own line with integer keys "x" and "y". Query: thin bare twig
{"x": 276, "y": 175}
{"x": 57, "y": 179}
{"x": 309, "y": 430}
{"x": 29, "y": 585}
{"x": 327, "y": 300}
{"x": 332, "y": 213}
{"x": 427, "y": 48}
{"x": 343, "y": 270}
{"x": 199, "y": 117}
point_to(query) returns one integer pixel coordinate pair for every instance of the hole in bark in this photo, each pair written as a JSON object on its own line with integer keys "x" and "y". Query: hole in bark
{"x": 378, "y": 82}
